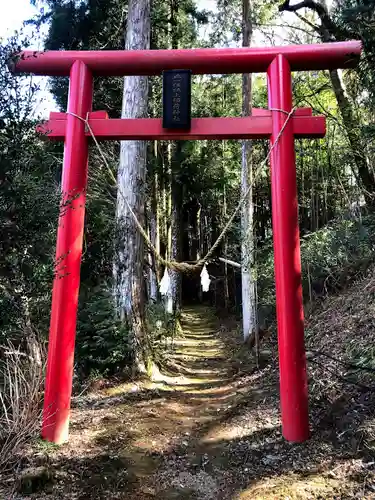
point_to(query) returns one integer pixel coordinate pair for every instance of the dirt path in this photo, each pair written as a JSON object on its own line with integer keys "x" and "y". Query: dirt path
{"x": 165, "y": 437}
{"x": 211, "y": 431}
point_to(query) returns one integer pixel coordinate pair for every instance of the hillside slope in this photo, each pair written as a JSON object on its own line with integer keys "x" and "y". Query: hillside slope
{"x": 212, "y": 429}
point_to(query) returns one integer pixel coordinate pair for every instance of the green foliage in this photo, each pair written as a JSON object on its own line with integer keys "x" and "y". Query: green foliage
{"x": 356, "y": 20}
{"x": 160, "y": 325}
{"x": 208, "y": 172}
{"x": 28, "y": 205}
{"x": 88, "y": 25}
{"x": 332, "y": 257}
{"x": 102, "y": 339}
{"x": 362, "y": 356}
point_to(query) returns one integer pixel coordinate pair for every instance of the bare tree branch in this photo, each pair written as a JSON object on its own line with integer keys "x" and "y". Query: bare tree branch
{"x": 305, "y": 4}
{"x": 317, "y": 7}
{"x": 313, "y": 26}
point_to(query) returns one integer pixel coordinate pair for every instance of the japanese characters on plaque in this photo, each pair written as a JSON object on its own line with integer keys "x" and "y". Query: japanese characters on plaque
{"x": 176, "y": 96}
{"x": 177, "y": 99}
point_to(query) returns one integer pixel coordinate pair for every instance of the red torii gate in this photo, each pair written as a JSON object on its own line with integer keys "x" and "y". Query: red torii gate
{"x": 278, "y": 62}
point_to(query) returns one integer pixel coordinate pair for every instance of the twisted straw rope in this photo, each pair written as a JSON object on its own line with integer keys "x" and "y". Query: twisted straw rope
{"x": 186, "y": 267}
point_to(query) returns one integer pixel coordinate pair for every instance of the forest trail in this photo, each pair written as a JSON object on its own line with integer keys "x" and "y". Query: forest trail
{"x": 211, "y": 430}
{"x": 169, "y": 438}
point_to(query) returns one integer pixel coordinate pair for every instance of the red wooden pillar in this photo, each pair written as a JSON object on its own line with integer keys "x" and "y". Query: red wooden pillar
{"x": 289, "y": 305}
{"x": 68, "y": 260}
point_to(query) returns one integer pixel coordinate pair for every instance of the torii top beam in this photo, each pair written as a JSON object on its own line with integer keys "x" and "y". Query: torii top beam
{"x": 200, "y": 61}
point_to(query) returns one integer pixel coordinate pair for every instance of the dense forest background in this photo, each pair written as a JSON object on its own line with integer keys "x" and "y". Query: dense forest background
{"x": 189, "y": 189}
{"x": 183, "y": 194}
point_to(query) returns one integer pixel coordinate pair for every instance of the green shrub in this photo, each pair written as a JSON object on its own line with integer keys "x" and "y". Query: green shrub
{"x": 331, "y": 258}
{"x": 336, "y": 254}
{"x": 161, "y": 326}
{"x": 102, "y": 340}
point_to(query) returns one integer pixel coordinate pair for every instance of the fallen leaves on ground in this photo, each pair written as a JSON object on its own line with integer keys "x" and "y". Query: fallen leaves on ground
{"x": 212, "y": 431}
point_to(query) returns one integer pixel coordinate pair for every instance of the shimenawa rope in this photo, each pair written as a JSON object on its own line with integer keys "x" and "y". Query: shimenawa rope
{"x": 185, "y": 266}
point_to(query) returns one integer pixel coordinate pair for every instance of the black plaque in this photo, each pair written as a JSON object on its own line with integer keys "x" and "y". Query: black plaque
{"x": 177, "y": 99}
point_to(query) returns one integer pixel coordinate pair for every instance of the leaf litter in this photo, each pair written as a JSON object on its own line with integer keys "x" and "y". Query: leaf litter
{"x": 213, "y": 429}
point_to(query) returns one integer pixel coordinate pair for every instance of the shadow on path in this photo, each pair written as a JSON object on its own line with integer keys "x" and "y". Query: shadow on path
{"x": 210, "y": 432}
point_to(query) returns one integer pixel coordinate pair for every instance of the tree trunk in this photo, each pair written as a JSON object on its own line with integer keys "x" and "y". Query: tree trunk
{"x": 224, "y": 215}
{"x": 225, "y": 246}
{"x": 353, "y": 133}
{"x": 164, "y": 185}
{"x": 173, "y": 302}
{"x": 176, "y": 246}
{"x": 168, "y": 226}
{"x": 200, "y": 245}
{"x": 174, "y": 298}
{"x": 154, "y": 230}
{"x": 247, "y": 243}
{"x": 128, "y": 263}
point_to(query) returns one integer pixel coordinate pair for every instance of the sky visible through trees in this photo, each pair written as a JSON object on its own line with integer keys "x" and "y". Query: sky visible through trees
{"x": 207, "y": 400}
